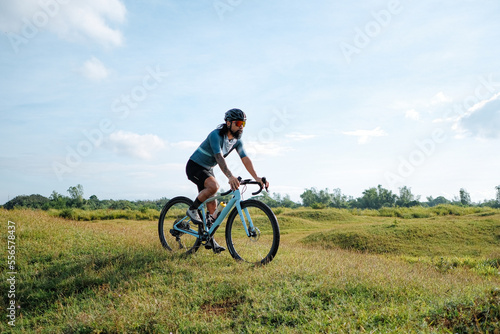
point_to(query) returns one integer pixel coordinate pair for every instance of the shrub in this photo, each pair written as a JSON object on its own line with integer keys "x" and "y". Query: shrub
{"x": 318, "y": 206}
{"x": 67, "y": 213}
{"x": 278, "y": 211}
{"x": 103, "y": 214}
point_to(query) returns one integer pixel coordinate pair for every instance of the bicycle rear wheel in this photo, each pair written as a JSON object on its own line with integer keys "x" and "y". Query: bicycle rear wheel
{"x": 174, "y": 213}
{"x": 262, "y": 245}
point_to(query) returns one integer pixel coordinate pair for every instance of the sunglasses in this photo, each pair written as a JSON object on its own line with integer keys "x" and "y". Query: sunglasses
{"x": 240, "y": 123}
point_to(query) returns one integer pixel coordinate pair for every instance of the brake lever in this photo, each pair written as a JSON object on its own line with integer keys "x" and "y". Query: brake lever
{"x": 261, "y": 187}
{"x": 240, "y": 179}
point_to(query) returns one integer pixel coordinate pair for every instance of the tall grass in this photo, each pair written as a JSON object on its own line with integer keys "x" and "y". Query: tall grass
{"x": 324, "y": 214}
{"x": 105, "y": 214}
{"x": 113, "y": 276}
{"x": 425, "y": 212}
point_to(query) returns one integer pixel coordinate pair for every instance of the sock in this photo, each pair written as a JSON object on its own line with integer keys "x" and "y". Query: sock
{"x": 196, "y": 204}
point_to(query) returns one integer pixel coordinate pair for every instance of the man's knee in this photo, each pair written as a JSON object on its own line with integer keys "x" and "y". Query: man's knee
{"x": 211, "y": 185}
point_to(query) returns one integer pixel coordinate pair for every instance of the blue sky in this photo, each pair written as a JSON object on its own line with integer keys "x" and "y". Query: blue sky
{"x": 116, "y": 95}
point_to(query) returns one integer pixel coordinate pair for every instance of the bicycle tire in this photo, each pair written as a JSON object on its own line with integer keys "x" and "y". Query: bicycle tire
{"x": 173, "y": 212}
{"x": 260, "y": 248}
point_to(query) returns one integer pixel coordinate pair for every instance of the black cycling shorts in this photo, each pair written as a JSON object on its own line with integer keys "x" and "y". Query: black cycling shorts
{"x": 198, "y": 174}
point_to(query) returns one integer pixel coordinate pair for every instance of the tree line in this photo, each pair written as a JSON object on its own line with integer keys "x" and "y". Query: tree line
{"x": 77, "y": 201}
{"x": 372, "y": 198}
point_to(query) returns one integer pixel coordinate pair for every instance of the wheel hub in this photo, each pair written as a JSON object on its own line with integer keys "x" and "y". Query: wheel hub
{"x": 255, "y": 234}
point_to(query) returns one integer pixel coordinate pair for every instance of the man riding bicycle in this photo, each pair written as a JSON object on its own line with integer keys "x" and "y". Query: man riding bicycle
{"x": 212, "y": 151}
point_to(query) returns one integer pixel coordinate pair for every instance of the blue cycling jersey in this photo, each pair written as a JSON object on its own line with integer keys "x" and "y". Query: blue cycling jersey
{"x": 214, "y": 144}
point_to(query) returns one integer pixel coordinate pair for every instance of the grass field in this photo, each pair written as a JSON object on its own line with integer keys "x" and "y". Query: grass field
{"x": 337, "y": 271}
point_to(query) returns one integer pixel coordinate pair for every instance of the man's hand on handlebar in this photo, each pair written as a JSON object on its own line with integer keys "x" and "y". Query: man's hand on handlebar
{"x": 263, "y": 182}
{"x": 234, "y": 183}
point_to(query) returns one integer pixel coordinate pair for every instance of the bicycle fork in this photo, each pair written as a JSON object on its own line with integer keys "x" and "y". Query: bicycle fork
{"x": 251, "y": 231}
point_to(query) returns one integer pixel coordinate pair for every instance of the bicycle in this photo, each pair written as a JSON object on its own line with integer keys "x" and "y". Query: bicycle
{"x": 255, "y": 240}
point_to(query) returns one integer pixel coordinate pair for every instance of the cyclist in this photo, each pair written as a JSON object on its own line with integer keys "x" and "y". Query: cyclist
{"x": 212, "y": 151}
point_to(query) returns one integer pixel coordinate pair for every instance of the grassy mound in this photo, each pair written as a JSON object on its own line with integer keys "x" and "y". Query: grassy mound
{"x": 322, "y": 215}
{"x": 426, "y": 212}
{"x": 464, "y": 237}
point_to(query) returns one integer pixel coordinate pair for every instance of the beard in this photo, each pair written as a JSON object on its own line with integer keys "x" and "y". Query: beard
{"x": 236, "y": 134}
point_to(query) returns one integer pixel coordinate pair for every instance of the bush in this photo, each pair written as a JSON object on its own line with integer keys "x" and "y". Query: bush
{"x": 278, "y": 211}
{"x": 318, "y": 206}
{"x": 67, "y": 213}
{"x": 103, "y": 214}
{"x": 406, "y": 213}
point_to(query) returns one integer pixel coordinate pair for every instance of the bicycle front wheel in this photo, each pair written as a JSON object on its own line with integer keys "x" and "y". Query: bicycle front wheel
{"x": 261, "y": 245}
{"x": 174, "y": 213}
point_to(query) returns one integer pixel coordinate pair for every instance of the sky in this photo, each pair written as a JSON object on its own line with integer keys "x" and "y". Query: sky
{"x": 116, "y": 95}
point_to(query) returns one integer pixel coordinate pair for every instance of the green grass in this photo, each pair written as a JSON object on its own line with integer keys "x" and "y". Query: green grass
{"x": 422, "y": 212}
{"x": 335, "y": 272}
{"x": 467, "y": 236}
{"x": 105, "y": 214}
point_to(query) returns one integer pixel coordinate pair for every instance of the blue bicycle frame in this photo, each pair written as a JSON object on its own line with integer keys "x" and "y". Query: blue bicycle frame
{"x": 235, "y": 201}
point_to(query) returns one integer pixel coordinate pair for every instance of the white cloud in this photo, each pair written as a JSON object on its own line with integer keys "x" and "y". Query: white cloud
{"x": 135, "y": 145}
{"x": 297, "y": 136}
{"x": 71, "y": 20}
{"x": 481, "y": 104}
{"x": 440, "y": 120}
{"x": 364, "y": 136}
{"x": 270, "y": 148}
{"x": 94, "y": 69}
{"x": 481, "y": 120}
{"x": 185, "y": 145}
{"x": 440, "y": 98}
{"x": 412, "y": 114}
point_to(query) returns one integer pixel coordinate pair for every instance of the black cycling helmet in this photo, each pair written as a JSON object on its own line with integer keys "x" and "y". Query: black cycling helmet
{"x": 235, "y": 115}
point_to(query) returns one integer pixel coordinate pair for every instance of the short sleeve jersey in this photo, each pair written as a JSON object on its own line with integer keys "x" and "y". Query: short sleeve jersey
{"x": 214, "y": 144}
